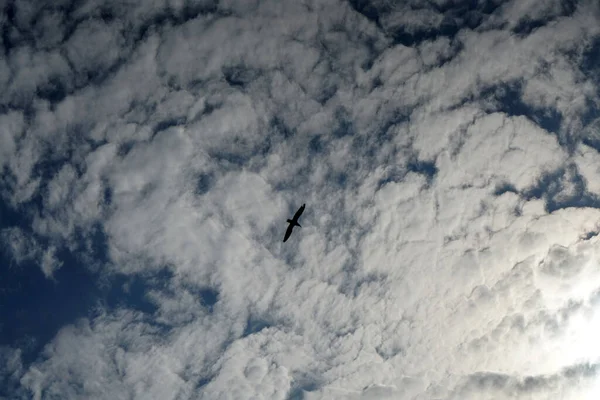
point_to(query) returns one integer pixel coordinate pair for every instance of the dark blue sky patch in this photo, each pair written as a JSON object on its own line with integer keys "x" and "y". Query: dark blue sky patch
{"x": 279, "y": 127}
{"x": 548, "y": 119}
{"x": 203, "y": 382}
{"x": 125, "y": 147}
{"x": 548, "y": 182}
{"x": 9, "y": 40}
{"x": 591, "y": 120}
{"x": 99, "y": 75}
{"x": 399, "y": 115}
{"x": 167, "y": 17}
{"x": 504, "y": 188}
{"x": 153, "y": 23}
{"x": 473, "y": 19}
{"x": 209, "y": 106}
{"x": 106, "y": 14}
{"x": 128, "y": 292}
{"x": 55, "y": 158}
{"x": 589, "y": 235}
{"x": 426, "y": 168}
{"x": 362, "y": 143}
{"x": 31, "y": 31}
{"x": 168, "y": 123}
{"x": 551, "y": 188}
{"x": 254, "y": 325}
{"x": 206, "y": 296}
{"x": 387, "y": 353}
{"x": 469, "y": 13}
{"x": 327, "y": 91}
{"x": 52, "y": 163}
{"x": 464, "y": 6}
{"x": 506, "y": 97}
{"x": 377, "y": 82}
{"x": 316, "y": 145}
{"x": 8, "y": 217}
{"x": 33, "y": 308}
{"x": 590, "y": 66}
{"x": 341, "y": 179}
{"x": 457, "y": 14}
{"x": 239, "y": 76}
{"x": 527, "y": 25}
{"x": 369, "y": 10}
{"x": 392, "y": 175}
{"x": 107, "y": 195}
{"x": 353, "y": 285}
{"x": 229, "y": 159}
{"x": 158, "y": 278}
{"x": 70, "y": 20}
{"x": 297, "y": 391}
{"x": 54, "y": 90}
{"x": 367, "y": 145}
{"x": 91, "y": 245}
{"x": 592, "y": 141}
{"x": 308, "y": 382}
{"x": 591, "y": 60}
{"x": 374, "y": 52}
{"x": 410, "y": 39}
{"x": 263, "y": 148}
{"x": 204, "y": 183}
{"x": 568, "y": 7}
{"x": 209, "y": 297}
{"x": 344, "y": 126}
{"x": 192, "y": 10}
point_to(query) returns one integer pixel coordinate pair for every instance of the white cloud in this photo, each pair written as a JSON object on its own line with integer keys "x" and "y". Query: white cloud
{"x": 49, "y": 262}
{"x": 22, "y": 247}
{"x": 428, "y": 265}
{"x": 94, "y": 47}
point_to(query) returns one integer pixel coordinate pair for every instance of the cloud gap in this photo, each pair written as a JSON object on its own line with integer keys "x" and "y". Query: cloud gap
{"x": 562, "y": 188}
{"x": 507, "y": 98}
{"x": 254, "y": 325}
{"x": 426, "y": 168}
{"x": 209, "y": 297}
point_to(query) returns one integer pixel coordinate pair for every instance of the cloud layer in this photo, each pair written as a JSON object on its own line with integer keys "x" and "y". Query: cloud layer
{"x": 447, "y": 154}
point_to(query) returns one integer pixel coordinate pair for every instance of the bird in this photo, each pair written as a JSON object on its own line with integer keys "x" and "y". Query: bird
{"x": 293, "y": 222}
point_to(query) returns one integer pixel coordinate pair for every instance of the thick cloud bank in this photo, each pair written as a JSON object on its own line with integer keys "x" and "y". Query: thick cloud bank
{"x": 448, "y": 153}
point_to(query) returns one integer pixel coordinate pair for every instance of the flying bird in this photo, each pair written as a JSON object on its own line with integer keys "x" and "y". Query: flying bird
{"x": 293, "y": 222}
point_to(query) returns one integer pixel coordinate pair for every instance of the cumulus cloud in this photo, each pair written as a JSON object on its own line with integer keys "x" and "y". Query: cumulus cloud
{"x": 446, "y": 152}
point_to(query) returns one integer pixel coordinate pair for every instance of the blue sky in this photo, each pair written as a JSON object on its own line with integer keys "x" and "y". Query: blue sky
{"x": 447, "y": 152}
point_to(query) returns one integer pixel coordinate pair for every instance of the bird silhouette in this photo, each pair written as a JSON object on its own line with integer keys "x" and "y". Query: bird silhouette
{"x": 293, "y": 222}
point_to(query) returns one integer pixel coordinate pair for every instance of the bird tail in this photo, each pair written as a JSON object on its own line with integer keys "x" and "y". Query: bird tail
{"x": 295, "y": 223}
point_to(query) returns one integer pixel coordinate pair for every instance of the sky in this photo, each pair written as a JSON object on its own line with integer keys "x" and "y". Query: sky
{"x": 448, "y": 153}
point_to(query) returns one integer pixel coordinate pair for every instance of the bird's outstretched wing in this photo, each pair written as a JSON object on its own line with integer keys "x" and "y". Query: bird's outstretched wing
{"x": 299, "y": 212}
{"x": 288, "y": 232}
